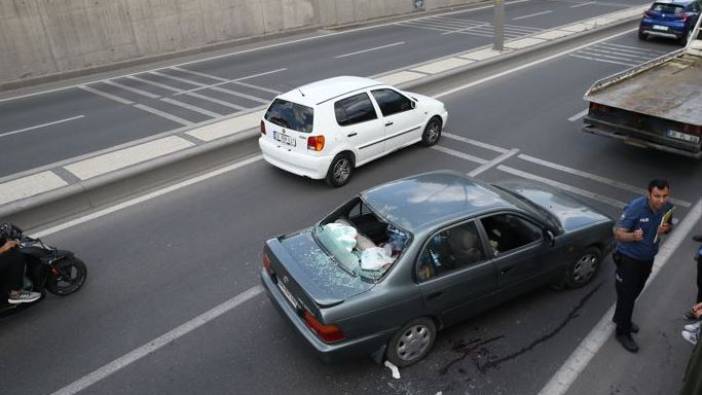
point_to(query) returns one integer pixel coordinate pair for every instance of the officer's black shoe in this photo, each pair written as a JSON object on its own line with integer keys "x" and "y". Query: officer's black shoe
{"x": 697, "y": 238}
{"x": 628, "y": 342}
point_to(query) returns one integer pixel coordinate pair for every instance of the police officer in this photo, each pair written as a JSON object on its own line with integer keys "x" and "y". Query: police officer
{"x": 638, "y": 234}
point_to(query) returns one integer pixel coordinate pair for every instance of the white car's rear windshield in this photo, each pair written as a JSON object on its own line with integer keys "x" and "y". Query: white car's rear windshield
{"x": 290, "y": 115}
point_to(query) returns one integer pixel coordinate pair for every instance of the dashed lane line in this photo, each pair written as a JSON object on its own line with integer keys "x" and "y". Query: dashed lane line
{"x": 158, "y": 343}
{"x": 43, "y": 125}
{"x": 369, "y": 50}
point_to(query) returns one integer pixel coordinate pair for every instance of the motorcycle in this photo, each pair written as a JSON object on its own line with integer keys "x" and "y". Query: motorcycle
{"x": 59, "y": 272}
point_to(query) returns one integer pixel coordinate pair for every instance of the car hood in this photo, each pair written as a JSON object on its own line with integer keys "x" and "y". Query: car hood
{"x": 318, "y": 273}
{"x": 572, "y": 213}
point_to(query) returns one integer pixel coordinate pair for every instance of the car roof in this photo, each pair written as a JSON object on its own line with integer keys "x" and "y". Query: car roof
{"x": 676, "y": 2}
{"x": 320, "y": 91}
{"x": 423, "y": 201}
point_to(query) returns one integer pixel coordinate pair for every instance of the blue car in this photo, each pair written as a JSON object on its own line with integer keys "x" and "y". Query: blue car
{"x": 670, "y": 19}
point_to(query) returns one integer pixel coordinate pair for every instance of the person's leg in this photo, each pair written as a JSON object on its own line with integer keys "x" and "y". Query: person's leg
{"x": 699, "y": 279}
{"x": 626, "y": 286}
{"x": 16, "y": 263}
{"x": 11, "y": 270}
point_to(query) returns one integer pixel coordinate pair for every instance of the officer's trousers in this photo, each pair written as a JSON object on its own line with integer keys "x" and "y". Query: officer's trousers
{"x": 630, "y": 279}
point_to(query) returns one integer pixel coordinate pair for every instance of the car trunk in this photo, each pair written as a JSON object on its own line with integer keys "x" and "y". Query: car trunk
{"x": 307, "y": 275}
{"x": 288, "y": 125}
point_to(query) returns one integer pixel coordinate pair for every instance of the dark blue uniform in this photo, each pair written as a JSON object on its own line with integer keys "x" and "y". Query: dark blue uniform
{"x": 636, "y": 257}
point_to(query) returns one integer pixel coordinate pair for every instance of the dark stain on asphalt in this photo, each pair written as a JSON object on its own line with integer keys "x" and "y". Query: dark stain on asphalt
{"x": 485, "y": 360}
{"x": 572, "y": 315}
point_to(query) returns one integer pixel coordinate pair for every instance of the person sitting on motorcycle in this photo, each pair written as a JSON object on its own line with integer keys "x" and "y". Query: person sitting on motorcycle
{"x": 12, "y": 267}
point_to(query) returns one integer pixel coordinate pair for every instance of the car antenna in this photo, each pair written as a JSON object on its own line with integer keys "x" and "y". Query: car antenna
{"x": 303, "y": 95}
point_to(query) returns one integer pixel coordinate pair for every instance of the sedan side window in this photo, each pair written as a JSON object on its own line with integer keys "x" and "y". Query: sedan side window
{"x": 450, "y": 250}
{"x": 391, "y": 102}
{"x": 354, "y": 109}
{"x": 507, "y": 232}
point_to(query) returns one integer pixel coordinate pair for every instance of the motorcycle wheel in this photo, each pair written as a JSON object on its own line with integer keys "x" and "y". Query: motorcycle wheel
{"x": 67, "y": 276}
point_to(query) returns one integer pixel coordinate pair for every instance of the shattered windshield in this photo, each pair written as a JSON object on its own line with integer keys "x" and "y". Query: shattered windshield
{"x": 360, "y": 242}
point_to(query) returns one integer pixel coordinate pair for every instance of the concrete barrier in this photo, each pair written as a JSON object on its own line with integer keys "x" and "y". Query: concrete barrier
{"x": 46, "y": 39}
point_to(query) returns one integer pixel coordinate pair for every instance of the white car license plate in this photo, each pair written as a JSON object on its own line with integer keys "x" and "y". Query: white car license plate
{"x": 287, "y": 294}
{"x": 661, "y": 28}
{"x": 284, "y": 138}
{"x": 683, "y": 136}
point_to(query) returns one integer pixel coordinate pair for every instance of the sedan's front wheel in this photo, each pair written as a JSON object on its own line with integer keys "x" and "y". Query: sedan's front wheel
{"x": 412, "y": 342}
{"x": 432, "y": 132}
{"x": 583, "y": 268}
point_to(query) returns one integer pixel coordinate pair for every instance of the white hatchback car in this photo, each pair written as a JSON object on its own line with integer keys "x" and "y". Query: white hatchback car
{"x": 325, "y": 129}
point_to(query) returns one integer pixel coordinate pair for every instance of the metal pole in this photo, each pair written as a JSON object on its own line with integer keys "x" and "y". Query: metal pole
{"x": 499, "y": 25}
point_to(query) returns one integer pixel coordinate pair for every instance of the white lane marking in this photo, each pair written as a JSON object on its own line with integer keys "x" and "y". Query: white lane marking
{"x": 214, "y": 87}
{"x": 238, "y": 81}
{"x": 25, "y": 187}
{"x": 603, "y": 60}
{"x": 614, "y": 55}
{"x": 261, "y": 88}
{"x": 594, "y": 177}
{"x": 588, "y": 347}
{"x": 226, "y": 127}
{"x": 578, "y": 115}
{"x": 213, "y": 100}
{"x": 532, "y": 15}
{"x": 475, "y": 142}
{"x": 147, "y": 197}
{"x": 191, "y": 107}
{"x": 494, "y": 162}
{"x": 43, "y": 125}
{"x": 395, "y": 371}
{"x": 130, "y": 89}
{"x": 634, "y": 49}
{"x": 459, "y": 154}
{"x": 244, "y": 95}
{"x": 263, "y": 48}
{"x": 469, "y": 28}
{"x": 163, "y": 114}
{"x": 112, "y": 161}
{"x": 560, "y": 185}
{"x": 156, "y": 84}
{"x": 105, "y": 94}
{"x": 369, "y": 50}
{"x": 158, "y": 343}
{"x": 180, "y": 79}
{"x": 527, "y": 65}
{"x": 214, "y": 77}
{"x": 582, "y": 4}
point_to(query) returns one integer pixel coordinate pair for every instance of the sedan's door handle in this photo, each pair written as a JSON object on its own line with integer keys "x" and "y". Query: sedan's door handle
{"x": 434, "y": 295}
{"x": 388, "y": 123}
{"x": 351, "y": 134}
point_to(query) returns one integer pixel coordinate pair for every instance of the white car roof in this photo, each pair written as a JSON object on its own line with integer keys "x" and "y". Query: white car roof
{"x": 321, "y": 91}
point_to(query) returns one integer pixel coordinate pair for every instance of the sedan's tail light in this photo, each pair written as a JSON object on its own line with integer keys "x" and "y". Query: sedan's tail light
{"x": 315, "y": 143}
{"x": 267, "y": 264}
{"x": 328, "y": 333}
{"x": 263, "y": 128}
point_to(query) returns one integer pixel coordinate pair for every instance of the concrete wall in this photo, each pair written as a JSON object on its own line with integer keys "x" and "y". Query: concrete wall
{"x": 48, "y": 37}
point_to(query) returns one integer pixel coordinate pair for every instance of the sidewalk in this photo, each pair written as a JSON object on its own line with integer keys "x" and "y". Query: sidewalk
{"x": 659, "y": 366}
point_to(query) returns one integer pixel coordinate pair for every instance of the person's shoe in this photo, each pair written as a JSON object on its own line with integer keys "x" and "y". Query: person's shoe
{"x": 23, "y": 297}
{"x": 690, "y": 316}
{"x": 690, "y": 336}
{"x": 692, "y": 327}
{"x": 628, "y": 342}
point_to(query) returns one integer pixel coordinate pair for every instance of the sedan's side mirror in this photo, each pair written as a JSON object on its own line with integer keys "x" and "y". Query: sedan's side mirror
{"x": 413, "y": 104}
{"x": 550, "y": 237}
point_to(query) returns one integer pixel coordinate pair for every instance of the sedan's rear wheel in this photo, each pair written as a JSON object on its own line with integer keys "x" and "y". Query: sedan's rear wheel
{"x": 340, "y": 170}
{"x": 412, "y": 343}
{"x": 583, "y": 268}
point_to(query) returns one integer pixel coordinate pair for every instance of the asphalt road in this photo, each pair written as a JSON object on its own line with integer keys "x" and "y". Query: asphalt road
{"x": 159, "y": 264}
{"x": 45, "y": 128}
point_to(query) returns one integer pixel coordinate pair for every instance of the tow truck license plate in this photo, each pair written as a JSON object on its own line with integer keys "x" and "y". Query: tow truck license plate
{"x": 683, "y": 136}
{"x": 284, "y": 138}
